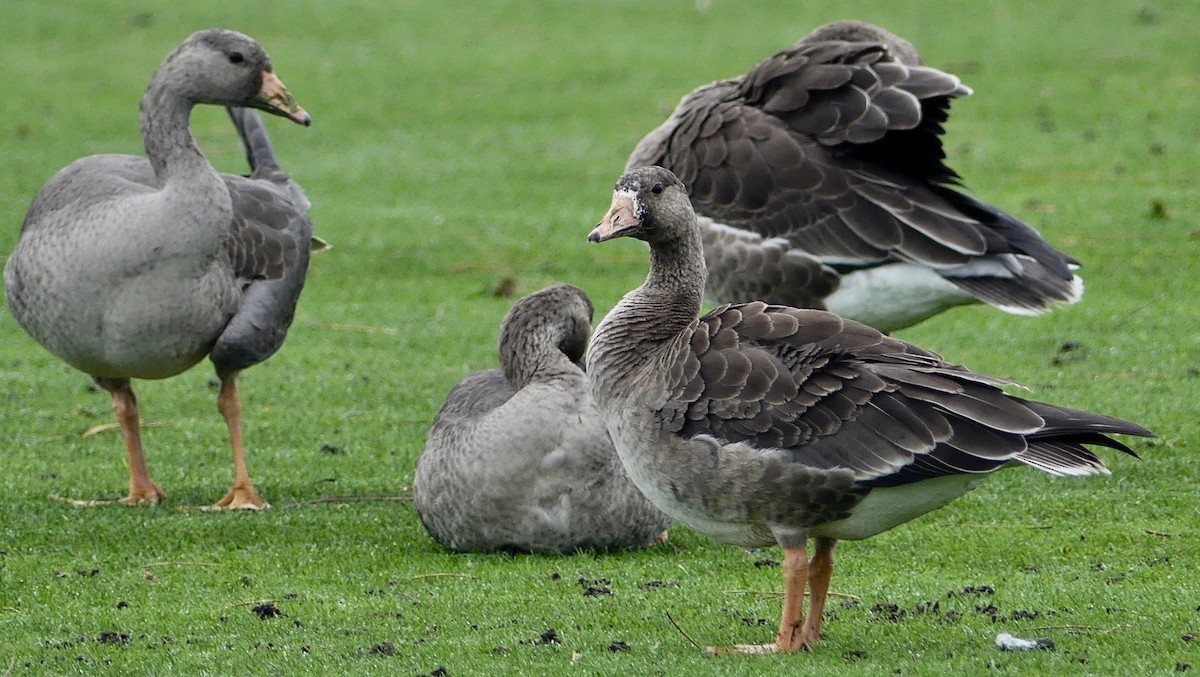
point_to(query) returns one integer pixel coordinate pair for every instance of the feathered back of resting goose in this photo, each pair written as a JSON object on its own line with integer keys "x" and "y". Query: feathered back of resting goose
{"x": 139, "y": 267}
{"x": 762, "y": 424}
{"x": 518, "y": 458}
{"x": 819, "y": 179}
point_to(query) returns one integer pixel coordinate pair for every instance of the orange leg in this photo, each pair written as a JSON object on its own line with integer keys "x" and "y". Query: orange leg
{"x": 820, "y": 571}
{"x": 142, "y": 489}
{"x": 242, "y": 495}
{"x": 791, "y": 623}
{"x": 795, "y": 575}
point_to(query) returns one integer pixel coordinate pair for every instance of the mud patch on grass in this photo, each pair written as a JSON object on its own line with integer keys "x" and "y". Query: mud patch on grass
{"x": 383, "y": 649}
{"x": 110, "y": 637}
{"x": 1068, "y": 352}
{"x": 266, "y": 610}
{"x": 654, "y": 584}
{"x": 595, "y": 588}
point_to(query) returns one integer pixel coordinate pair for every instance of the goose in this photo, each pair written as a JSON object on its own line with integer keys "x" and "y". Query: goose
{"x": 762, "y": 424}
{"x": 819, "y": 181}
{"x": 138, "y": 267}
{"x": 517, "y": 459}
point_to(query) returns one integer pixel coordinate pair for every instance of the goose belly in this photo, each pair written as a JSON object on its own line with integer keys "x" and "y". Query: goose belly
{"x": 894, "y": 296}
{"x": 887, "y": 507}
{"x": 149, "y": 324}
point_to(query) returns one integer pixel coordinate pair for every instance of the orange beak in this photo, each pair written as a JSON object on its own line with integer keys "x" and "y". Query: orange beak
{"x": 275, "y": 98}
{"x": 618, "y": 221}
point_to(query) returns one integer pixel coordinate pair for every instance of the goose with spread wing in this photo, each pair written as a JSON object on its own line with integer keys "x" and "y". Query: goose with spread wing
{"x": 820, "y": 181}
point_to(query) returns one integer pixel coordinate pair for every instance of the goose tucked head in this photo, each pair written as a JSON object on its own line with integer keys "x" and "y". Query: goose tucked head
{"x": 650, "y": 204}
{"x": 555, "y": 319}
{"x": 850, "y": 30}
{"x": 228, "y": 68}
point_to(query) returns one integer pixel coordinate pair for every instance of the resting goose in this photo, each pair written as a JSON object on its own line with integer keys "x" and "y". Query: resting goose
{"x": 139, "y": 267}
{"x": 518, "y": 458}
{"x": 761, "y": 424}
{"x": 819, "y": 181}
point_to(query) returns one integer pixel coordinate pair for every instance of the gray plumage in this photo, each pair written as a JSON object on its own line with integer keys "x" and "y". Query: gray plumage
{"x": 518, "y": 458}
{"x": 831, "y": 150}
{"x": 139, "y": 267}
{"x": 762, "y": 424}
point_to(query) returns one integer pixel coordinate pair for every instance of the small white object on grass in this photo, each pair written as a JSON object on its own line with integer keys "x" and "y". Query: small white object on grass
{"x": 1007, "y": 642}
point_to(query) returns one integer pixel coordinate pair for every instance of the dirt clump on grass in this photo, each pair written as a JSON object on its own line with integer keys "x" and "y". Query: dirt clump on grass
{"x": 266, "y": 610}
{"x": 383, "y": 649}
{"x": 110, "y": 637}
{"x": 596, "y": 587}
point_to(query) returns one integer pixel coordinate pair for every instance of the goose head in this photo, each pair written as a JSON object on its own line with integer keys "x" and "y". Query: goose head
{"x": 228, "y": 68}
{"x": 650, "y": 204}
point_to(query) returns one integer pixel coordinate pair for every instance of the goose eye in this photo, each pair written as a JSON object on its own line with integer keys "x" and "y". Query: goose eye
{"x": 236, "y": 57}
{"x": 657, "y": 188}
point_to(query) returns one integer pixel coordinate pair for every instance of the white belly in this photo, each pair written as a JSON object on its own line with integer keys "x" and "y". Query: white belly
{"x": 894, "y": 296}
{"x": 887, "y": 507}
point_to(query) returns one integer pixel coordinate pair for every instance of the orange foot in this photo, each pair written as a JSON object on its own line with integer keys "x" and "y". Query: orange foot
{"x": 241, "y": 497}
{"x": 801, "y": 638}
{"x": 147, "y": 495}
{"x": 144, "y": 495}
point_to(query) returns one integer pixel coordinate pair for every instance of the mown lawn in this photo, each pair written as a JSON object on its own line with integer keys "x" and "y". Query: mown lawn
{"x": 464, "y": 150}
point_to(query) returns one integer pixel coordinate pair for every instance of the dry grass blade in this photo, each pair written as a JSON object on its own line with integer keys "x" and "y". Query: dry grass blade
{"x": 11, "y": 662}
{"x": 440, "y": 575}
{"x": 685, "y": 635}
{"x": 1083, "y": 628}
{"x": 182, "y": 564}
{"x": 352, "y": 499}
{"x": 776, "y": 593}
{"x": 105, "y": 427}
{"x": 357, "y": 328}
{"x": 257, "y": 602}
{"x": 81, "y": 502}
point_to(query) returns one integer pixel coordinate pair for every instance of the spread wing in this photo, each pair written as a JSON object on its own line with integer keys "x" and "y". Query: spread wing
{"x": 836, "y": 146}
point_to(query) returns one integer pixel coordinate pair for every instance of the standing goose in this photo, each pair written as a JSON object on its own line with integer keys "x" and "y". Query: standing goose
{"x": 759, "y": 424}
{"x": 820, "y": 182}
{"x": 138, "y": 267}
{"x": 518, "y": 458}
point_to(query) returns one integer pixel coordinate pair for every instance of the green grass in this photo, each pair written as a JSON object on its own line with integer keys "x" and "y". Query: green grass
{"x": 457, "y": 145}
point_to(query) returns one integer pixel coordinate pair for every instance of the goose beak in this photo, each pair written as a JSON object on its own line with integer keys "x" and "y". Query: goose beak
{"x": 619, "y": 220}
{"x": 275, "y": 98}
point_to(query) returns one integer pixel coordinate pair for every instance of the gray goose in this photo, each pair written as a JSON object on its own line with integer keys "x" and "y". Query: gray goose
{"x": 518, "y": 459}
{"x": 139, "y": 267}
{"x": 819, "y": 181}
{"x": 761, "y": 424}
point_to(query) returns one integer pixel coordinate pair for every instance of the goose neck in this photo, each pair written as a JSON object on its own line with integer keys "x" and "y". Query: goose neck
{"x": 173, "y": 153}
